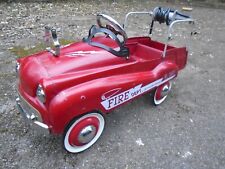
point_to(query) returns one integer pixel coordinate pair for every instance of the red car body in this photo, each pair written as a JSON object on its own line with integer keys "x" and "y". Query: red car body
{"x": 86, "y": 78}
{"x": 68, "y": 90}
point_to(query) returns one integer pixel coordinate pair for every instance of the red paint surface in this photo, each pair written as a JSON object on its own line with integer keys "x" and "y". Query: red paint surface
{"x": 73, "y": 137}
{"x": 74, "y": 85}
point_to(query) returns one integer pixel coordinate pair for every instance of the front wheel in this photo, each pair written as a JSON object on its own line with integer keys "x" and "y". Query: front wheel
{"x": 161, "y": 93}
{"x": 83, "y": 132}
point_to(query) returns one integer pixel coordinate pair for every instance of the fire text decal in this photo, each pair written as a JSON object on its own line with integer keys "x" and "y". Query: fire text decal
{"x": 120, "y": 98}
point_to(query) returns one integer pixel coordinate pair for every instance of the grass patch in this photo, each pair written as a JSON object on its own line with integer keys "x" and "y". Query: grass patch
{"x": 21, "y": 51}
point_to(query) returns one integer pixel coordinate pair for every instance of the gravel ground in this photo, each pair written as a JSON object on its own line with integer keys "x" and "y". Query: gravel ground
{"x": 185, "y": 132}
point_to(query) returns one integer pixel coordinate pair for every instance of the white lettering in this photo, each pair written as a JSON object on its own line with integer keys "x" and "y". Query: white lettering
{"x": 131, "y": 93}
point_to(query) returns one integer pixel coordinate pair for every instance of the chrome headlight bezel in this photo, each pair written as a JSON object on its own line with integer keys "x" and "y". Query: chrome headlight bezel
{"x": 40, "y": 93}
{"x": 17, "y": 67}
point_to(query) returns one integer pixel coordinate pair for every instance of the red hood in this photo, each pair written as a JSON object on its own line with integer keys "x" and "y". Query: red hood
{"x": 76, "y": 57}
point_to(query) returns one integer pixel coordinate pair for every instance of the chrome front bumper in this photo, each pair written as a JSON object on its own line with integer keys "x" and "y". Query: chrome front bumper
{"x": 31, "y": 116}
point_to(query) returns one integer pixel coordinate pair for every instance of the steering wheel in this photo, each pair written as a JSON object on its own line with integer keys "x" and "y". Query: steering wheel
{"x": 112, "y": 25}
{"x": 123, "y": 50}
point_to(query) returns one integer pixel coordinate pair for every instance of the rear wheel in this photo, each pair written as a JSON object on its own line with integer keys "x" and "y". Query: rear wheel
{"x": 161, "y": 93}
{"x": 83, "y": 132}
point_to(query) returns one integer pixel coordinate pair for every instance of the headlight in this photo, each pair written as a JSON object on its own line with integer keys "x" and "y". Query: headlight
{"x": 40, "y": 93}
{"x": 17, "y": 67}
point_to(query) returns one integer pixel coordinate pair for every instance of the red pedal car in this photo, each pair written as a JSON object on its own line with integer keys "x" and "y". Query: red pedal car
{"x": 69, "y": 90}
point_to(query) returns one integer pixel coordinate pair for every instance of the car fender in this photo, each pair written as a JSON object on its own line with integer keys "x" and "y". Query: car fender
{"x": 166, "y": 68}
{"x": 80, "y": 99}
{"x": 86, "y": 97}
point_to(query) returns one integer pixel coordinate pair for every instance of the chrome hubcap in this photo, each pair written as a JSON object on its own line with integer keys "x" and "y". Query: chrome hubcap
{"x": 87, "y": 134}
{"x": 165, "y": 91}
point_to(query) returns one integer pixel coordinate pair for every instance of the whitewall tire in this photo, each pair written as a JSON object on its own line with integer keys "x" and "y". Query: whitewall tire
{"x": 84, "y": 132}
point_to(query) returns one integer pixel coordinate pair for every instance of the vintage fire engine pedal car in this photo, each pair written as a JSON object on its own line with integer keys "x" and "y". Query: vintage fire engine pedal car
{"x": 69, "y": 89}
